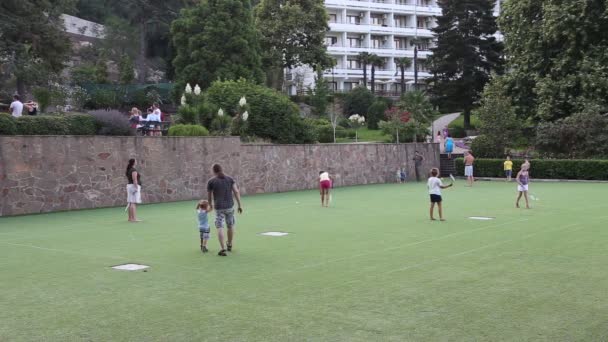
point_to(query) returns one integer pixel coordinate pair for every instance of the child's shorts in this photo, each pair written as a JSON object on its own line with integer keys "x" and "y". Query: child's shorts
{"x": 522, "y": 187}
{"x": 508, "y": 173}
{"x": 204, "y": 233}
{"x": 435, "y": 198}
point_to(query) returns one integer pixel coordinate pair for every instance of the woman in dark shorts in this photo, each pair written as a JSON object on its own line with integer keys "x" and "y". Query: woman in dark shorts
{"x": 133, "y": 190}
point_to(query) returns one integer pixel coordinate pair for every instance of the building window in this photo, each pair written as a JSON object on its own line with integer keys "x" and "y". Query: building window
{"x": 348, "y": 86}
{"x": 353, "y": 19}
{"x": 401, "y": 44}
{"x": 333, "y": 18}
{"x": 354, "y": 42}
{"x": 331, "y": 41}
{"x": 353, "y": 64}
{"x": 400, "y": 21}
{"x": 333, "y": 85}
{"x": 377, "y": 19}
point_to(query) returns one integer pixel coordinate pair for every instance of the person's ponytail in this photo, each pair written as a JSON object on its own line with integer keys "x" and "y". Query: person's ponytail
{"x": 130, "y": 165}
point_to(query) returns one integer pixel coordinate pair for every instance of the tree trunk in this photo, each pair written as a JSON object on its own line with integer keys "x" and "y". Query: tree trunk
{"x": 415, "y": 67}
{"x": 467, "y": 118}
{"x": 365, "y": 75}
{"x": 21, "y": 88}
{"x": 402, "y": 79}
{"x": 373, "y": 79}
{"x": 275, "y": 77}
{"x": 141, "y": 56}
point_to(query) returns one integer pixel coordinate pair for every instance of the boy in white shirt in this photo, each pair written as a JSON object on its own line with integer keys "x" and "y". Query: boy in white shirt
{"x": 435, "y": 185}
{"x": 16, "y": 107}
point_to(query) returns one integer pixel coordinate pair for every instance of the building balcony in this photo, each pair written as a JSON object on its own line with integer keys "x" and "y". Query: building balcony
{"x": 390, "y": 6}
{"x": 379, "y": 29}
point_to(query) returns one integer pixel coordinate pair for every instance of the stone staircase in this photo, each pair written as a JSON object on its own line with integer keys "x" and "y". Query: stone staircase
{"x": 447, "y": 166}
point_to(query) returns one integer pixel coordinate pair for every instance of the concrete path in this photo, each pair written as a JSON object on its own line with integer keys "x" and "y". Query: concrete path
{"x": 441, "y": 123}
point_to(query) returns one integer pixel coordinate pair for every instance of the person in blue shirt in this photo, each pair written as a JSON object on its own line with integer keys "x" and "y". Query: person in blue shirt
{"x": 449, "y": 146}
{"x": 202, "y": 210}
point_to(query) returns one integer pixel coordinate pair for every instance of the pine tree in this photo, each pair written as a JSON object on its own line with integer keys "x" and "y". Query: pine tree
{"x": 216, "y": 40}
{"x": 466, "y": 53}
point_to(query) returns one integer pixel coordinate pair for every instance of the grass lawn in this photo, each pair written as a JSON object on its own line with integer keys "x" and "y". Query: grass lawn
{"x": 371, "y": 268}
{"x": 367, "y": 135}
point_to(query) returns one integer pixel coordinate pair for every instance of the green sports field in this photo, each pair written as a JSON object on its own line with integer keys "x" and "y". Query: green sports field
{"x": 372, "y": 268}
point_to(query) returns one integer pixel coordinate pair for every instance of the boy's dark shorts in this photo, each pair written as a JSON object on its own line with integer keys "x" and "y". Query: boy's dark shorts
{"x": 435, "y": 198}
{"x": 508, "y": 173}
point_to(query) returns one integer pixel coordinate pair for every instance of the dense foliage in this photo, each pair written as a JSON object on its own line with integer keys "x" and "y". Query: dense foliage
{"x": 556, "y": 52}
{"x": 358, "y": 101}
{"x": 273, "y": 116}
{"x": 216, "y": 40}
{"x": 188, "y": 131}
{"x": 291, "y": 34}
{"x": 33, "y": 43}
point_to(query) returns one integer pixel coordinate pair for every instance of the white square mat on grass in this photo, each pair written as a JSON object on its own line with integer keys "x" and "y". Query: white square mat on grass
{"x": 274, "y": 233}
{"x": 130, "y": 267}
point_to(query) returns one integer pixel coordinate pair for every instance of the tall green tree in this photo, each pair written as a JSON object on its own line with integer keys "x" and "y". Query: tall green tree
{"x": 467, "y": 52}
{"x": 364, "y": 58}
{"x": 292, "y": 34}
{"x": 320, "y": 97}
{"x": 33, "y": 41}
{"x": 216, "y": 40}
{"x": 556, "y": 53}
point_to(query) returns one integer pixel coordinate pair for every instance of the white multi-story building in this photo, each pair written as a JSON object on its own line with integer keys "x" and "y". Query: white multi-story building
{"x": 386, "y": 28}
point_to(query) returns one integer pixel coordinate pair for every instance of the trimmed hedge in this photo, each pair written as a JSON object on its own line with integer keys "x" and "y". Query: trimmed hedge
{"x": 188, "y": 131}
{"x": 42, "y": 125}
{"x": 71, "y": 124}
{"x": 583, "y": 169}
{"x": 7, "y": 124}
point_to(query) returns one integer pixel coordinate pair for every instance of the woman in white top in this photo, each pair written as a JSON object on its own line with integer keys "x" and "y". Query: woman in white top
{"x": 325, "y": 184}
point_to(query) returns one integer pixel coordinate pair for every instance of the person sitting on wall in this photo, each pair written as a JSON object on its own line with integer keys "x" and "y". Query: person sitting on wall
{"x": 32, "y": 107}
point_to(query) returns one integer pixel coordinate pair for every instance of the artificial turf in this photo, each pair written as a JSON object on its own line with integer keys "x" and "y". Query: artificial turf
{"x": 371, "y": 268}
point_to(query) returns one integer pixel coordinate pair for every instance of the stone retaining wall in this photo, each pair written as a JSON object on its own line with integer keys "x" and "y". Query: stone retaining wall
{"x": 52, "y": 173}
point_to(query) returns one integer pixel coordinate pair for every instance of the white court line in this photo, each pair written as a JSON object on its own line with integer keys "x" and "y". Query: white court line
{"x": 64, "y": 251}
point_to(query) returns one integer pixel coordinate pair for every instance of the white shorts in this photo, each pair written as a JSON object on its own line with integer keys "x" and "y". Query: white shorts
{"x": 133, "y": 193}
{"x": 522, "y": 187}
{"x": 468, "y": 171}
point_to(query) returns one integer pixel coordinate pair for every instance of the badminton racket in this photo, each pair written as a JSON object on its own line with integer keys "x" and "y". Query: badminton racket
{"x": 452, "y": 178}
{"x": 127, "y": 207}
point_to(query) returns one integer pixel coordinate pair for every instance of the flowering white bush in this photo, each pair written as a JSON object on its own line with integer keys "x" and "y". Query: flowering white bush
{"x": 243, "y": 101}
{"x": 220, "y": 112}
{"x": 197, "y": 90}
{"x": 183, "y": 100}
{"x": 188, "y": 89}
{"x": 357, "y": 119}
{"x": 245, "y": 116}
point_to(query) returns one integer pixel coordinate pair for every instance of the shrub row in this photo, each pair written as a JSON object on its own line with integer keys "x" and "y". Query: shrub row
{"x": 73, "y": 124}
{"x": 188, "y": 131}
{"x": 588, "y": 169}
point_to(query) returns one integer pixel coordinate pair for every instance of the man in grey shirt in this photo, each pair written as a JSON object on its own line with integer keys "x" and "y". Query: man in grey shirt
{"x": 418, "y": 159}
{"x": 220, "y": 191}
